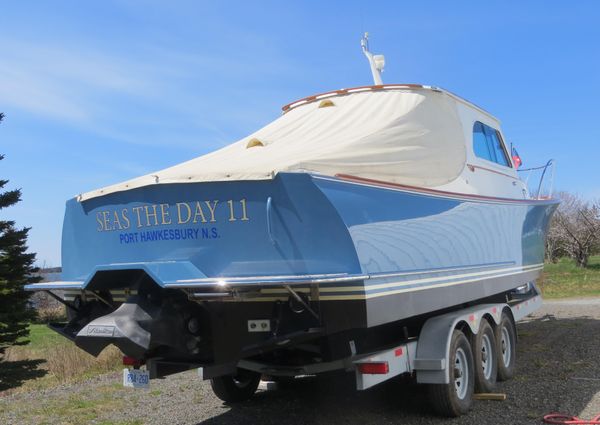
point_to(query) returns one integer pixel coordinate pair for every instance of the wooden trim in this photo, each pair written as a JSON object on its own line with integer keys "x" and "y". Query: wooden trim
{"x": 319, "y": 96}
{"x": 473, "y": 167}
{"x": 442, "y": 193}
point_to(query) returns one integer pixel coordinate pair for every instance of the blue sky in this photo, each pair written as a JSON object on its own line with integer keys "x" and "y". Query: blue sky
{"x": 99, "y": 92}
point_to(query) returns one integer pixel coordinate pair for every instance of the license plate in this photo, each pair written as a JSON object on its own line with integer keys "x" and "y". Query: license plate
{"x": 136, "y": 378}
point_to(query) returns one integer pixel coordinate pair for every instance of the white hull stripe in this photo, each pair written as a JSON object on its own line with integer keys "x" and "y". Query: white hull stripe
{"x": 368, "y": 291}
{"x": 421, "y": 288}
{"x": 366, "y": 296}
{"x": 412, "y": 282}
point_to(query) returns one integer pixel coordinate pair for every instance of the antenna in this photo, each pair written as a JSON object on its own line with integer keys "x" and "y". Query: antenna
{"x": 377, "y": 62}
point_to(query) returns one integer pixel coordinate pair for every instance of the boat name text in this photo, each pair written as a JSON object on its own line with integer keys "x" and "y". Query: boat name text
{"x": 180, "y": 213}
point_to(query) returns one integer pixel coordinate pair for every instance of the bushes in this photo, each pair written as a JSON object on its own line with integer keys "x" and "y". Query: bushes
{"x": 51, "y": 314}
{"x": 574, "y": 230}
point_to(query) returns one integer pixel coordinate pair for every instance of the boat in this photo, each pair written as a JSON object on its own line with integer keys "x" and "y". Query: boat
{"x": 337, "y": 228}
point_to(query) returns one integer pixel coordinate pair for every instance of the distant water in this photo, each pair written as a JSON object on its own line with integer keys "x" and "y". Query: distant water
{"x": 51, "y": 275}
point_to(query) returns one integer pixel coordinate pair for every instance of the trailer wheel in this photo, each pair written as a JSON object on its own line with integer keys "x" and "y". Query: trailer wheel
{"x": 506, "y": 338}
{"x": 455, "y": 398}
{"x": 485, "y": 358}
{"x": 236, "y": 388}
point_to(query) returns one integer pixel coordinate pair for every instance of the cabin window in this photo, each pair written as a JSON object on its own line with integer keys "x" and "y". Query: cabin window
{"x": 480, "y": 144}
{"x": 487, "y": 144}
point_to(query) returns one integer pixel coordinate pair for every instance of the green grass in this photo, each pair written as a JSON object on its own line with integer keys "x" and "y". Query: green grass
{"x": 50, "y": 359}
{"x": 41, "y": 338}
{"x": 24, "y": 366}
{"x": 564, "y": 279}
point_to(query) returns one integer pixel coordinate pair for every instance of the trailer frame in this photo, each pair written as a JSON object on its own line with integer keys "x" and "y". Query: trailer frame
{"x": 426, "y": 355}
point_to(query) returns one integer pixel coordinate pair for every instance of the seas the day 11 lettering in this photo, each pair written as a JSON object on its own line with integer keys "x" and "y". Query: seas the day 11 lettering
{"x": 164, "y": 214}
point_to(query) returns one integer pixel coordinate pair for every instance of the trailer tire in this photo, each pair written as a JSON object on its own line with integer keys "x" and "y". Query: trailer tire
{"x": 236, "y": 388}
{"x": 456, "y": 397}
{"x": 506, "y": 338}
{"x": 485, "y": 358}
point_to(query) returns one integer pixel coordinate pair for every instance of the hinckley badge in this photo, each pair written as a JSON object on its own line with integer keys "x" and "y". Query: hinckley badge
{"x": 95, "y": 330}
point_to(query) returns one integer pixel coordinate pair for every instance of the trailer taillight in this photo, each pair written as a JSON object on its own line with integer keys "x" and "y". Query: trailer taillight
{"x": 375, "y": 368}
{"x": 131, "y": 361}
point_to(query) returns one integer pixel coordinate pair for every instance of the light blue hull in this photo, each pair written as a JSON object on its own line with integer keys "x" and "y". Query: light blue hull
{"x": 399, "y": 250}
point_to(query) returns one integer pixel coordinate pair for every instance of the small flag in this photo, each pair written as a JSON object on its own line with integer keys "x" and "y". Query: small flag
{"x": 516, "y": 158}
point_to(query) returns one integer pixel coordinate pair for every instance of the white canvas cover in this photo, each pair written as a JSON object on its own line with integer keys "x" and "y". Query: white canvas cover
{"x": 413, "y": 137}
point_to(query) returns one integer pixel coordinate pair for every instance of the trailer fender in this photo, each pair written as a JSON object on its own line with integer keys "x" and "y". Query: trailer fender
{"x": 433, "y": 349}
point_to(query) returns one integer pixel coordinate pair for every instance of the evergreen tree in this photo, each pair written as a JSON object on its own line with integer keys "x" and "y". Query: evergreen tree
{"x": 16, "y": 270}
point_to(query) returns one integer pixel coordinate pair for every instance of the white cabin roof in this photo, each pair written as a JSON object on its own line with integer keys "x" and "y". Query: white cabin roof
{"x": 406, "y": 134}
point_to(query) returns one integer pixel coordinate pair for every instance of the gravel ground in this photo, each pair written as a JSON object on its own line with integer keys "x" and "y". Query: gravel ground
{"x": 558, "y": 370}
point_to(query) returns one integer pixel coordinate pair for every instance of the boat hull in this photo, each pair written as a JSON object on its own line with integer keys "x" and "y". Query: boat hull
{"x": 428, "y": 250}
{"x": 316, "y": 259}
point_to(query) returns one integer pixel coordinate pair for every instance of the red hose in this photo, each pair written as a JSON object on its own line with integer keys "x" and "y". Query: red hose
{"x": 562, "y": 419}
